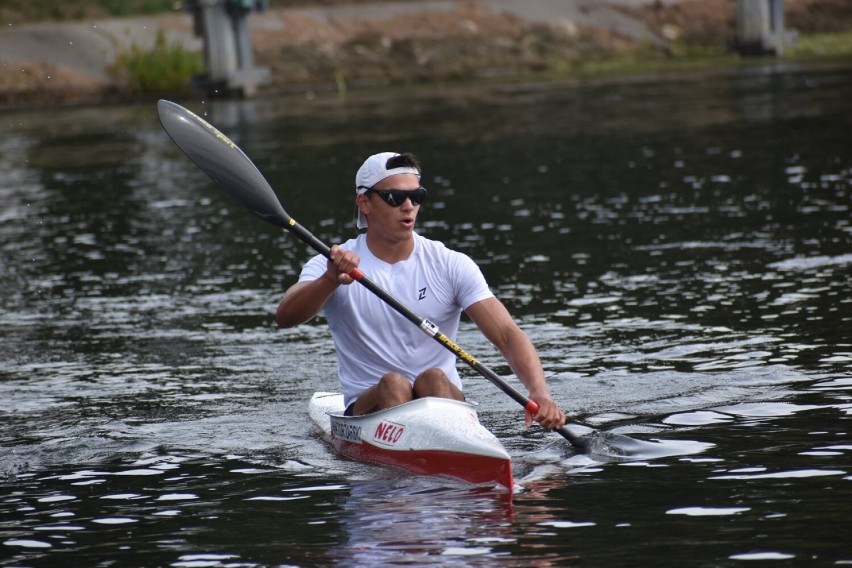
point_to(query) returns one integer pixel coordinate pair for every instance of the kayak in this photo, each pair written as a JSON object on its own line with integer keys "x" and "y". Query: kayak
{"x": 426, "y": 436}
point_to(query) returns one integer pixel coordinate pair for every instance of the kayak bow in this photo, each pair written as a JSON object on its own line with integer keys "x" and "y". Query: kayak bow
{"x": 426, "y": 436}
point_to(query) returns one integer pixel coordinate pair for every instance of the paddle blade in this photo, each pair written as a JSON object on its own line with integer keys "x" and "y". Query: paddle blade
{"x": 223, "y": 161}
{"x": 608, "y": 446}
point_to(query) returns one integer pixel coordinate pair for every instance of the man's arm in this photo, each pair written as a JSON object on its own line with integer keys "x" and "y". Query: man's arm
{"x": 305, "y": 299}
{"x": 493, "y": 319}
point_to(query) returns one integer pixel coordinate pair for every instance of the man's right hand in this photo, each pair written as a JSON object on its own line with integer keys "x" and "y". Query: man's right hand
{"x": 340, "y": 264}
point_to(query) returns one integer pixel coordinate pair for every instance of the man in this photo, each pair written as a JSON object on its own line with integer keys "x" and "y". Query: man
{"x": 383, "y": 359}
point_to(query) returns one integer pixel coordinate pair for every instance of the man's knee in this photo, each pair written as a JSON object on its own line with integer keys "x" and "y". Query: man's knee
{"x": 434, "y": 382}
{"x": 391, "y": 390}
{"x": 432, "y": 377}
{"x": 394, "y": 382}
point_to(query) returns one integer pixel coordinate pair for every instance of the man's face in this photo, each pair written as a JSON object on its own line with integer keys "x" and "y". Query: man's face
{"x": 392, "y": 222}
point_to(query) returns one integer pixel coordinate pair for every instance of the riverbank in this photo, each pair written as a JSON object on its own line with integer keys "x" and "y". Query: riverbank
{"x": 342, "y": 47}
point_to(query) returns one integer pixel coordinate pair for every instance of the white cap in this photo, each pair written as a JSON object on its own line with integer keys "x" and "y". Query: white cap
{"x": 372, "y": 171}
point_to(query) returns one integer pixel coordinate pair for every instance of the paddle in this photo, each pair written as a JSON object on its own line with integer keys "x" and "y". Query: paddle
{"x": 228, "y": 166}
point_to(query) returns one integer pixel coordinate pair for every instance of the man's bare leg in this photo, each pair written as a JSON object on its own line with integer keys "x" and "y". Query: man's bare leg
{"x": 433, "y": 382}
{"x": 391, "y": 390}
{"x": 394, "y": 389}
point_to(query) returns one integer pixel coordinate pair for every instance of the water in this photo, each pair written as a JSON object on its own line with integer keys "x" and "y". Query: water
{"x": 679, "y": 250}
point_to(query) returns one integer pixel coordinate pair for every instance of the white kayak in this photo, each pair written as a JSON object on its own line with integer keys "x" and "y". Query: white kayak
{"x": 427, "y": 436}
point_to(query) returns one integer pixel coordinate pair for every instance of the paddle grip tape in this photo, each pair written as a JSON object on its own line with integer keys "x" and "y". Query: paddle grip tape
{"x": 532, "y": 407}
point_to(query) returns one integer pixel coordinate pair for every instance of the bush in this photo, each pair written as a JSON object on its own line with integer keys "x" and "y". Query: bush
{"x": 162, "y": 69}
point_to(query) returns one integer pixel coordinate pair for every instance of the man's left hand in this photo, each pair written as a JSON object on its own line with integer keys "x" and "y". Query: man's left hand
{"x": 549, "y": 416}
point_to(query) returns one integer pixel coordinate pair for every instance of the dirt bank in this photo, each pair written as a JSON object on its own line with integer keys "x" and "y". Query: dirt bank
{"x": 327, "y": 47}
{"x": 449, "y": 42}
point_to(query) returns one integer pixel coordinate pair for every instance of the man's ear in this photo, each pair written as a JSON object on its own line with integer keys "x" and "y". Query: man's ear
{"x": 363, "y": 203}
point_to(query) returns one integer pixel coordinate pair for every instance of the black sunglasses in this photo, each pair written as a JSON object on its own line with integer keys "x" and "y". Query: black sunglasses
{"x": 396, "y": 197}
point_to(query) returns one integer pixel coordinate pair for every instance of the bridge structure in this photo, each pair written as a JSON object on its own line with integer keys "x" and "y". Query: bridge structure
{"x": 760, "y": 27}
{"x": 228, "y": 57}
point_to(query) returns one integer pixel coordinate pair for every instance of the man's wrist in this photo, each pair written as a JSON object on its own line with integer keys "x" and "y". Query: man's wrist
{"x": 540, "y": 393}
{"x": 332, "y": 279}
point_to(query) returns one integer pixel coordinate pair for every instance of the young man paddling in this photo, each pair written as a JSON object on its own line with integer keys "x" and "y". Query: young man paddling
{"x": 383, "y": 359}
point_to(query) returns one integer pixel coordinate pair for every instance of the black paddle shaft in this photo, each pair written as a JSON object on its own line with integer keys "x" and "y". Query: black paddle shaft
{"x": 229, "y": 167}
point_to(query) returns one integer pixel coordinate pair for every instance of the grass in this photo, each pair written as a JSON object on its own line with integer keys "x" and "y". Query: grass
{"x": 679, "y": 57}
{"x": 17, "y": 11}
{"x": 821, "y": 46}
{"x": 691, "y": 56}
{"x": 165, "y": 68}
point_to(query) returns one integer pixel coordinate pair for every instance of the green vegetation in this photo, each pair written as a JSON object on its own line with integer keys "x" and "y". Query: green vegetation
{"x": 821, "y": 45}
{"x": 17, "y": 11}
{"x": 164, "y": 68}
{"x": 127, "y": 7}
{"x": 641, "y": 61}
{"x": 682, "y": 56}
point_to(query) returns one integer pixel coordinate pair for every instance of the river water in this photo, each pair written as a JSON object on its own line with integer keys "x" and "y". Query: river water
{"x": 678, "y": 249}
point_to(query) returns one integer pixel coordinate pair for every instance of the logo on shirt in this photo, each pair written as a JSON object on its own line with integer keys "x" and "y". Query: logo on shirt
{"x": 422, "y": 294}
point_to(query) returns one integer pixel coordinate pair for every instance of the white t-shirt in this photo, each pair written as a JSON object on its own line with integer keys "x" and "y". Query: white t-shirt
{"x": 372, "y": 338}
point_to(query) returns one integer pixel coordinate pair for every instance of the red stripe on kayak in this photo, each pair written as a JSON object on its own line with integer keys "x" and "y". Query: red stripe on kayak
{"x": 467, "y": 467}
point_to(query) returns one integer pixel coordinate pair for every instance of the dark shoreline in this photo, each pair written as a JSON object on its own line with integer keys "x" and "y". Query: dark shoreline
{"x": 328, "y": 95}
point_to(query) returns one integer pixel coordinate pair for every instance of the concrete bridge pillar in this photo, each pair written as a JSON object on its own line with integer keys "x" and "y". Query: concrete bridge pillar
{"x": 760, "y": 27}
{"x": 228, "y": 57}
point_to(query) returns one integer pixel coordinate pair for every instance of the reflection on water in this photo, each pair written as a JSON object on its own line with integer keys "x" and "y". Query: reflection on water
{"x": 679, "y": 251}
{"x": 396, "y": 522}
